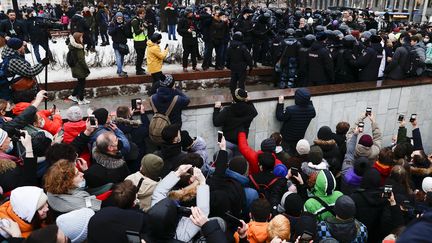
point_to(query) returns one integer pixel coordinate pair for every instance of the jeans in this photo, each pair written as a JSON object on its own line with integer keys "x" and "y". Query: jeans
{"x": 172, "y": 31}
{"x": 79, "y": 89}
{"x": 45, "y": 47}
{"x": 189, "y": 48}
{"x": 119, "y": 61}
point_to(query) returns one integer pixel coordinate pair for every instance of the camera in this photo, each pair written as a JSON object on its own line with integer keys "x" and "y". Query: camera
{"x": 15, "y": 134}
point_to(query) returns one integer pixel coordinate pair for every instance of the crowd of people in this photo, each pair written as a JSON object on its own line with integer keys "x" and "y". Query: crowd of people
{"x": 126, "y": 176}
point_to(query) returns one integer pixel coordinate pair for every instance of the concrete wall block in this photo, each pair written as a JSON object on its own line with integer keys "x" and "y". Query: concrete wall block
{"x": 391, "y": 124}
{"x": 404, "y": 99}
{"x": 394, "y": 98}
{"x": 324, "y": 109}
{"x": 259, "y": 137}
{"x": 383, "y": 102}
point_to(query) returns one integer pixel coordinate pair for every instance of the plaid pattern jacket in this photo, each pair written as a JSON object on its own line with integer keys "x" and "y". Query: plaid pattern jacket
{"x": 18, "y": 66}
{"x": 325, "y": 232}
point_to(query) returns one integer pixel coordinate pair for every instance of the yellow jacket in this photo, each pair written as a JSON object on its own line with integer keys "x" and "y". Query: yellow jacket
{"x": 155, "y": 57}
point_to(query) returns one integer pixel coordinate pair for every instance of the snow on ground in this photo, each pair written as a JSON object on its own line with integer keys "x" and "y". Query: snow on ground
{"x": 102, "y": 62}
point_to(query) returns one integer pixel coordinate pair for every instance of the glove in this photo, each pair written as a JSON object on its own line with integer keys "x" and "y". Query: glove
{"x": 45, "y": 61}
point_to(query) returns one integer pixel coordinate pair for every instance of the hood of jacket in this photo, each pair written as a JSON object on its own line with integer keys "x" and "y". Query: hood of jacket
{"x": 325, "y": 145}
{"x": 257, "y": 231}
{"x": 127, "y": 122}
{"x": 243, "y": 180}
{"x": 384, "y": 170}
{"x": 165, "y": 219}
{"x": 342, "y": 230}
{"x": 302, "y": 97}
{"x": 186, "y": 194}
{"x": 7, "y": 52}
{"x": 73, "y": 43}
{"x": 325, "y": 184}
{"x": 165, "y": 95}
{"x": 171, "y": 150}
{"x": 198, "y": 145}
{"x": 106, "y": 160}
{"x": 151, "y": 44}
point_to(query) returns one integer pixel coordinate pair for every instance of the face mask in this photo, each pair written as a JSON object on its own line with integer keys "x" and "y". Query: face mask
{"x": 41, "y": 123}
{"x": 363, "y": 39}
{"x": 82, "y": 184}
{"x": 308, "y": 14}
{"x": 425, "y": 40}
{"x": 10, "y": 148}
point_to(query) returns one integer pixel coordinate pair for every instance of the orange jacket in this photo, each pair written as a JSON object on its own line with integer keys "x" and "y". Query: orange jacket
{"x": 257, "y": 232}
{"x": 50, "y": 126}
{"x": 7, "y": 212}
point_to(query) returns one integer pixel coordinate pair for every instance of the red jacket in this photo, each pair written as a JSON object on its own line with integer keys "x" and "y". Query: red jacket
{"x": 250, "y": 154}
{"x": 52, "y": 126}
{"x": 384, "y": 171}
{"x": 71, "y": 131}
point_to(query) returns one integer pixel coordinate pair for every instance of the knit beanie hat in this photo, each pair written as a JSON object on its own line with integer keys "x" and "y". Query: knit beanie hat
{"x": 151, "y": 166}
{"x": 292, "y": 204}
{"x": 268, "y": 145}
{"x": 280, "y": 170}
{"x": 366, "y": 140}
{"x": 119, "y": 14}
{"x": 240, "y": 95}
{"x": 361, "y": 164}
{"x": 47, "y": 234}
{"x": 15, "y": 43}
{"x": 427, "y": 184}
{"x": 170, "y": 132}
{"x": 306, "y": 222}
{"x": 345, "y": 207}
{"x": 101, "y": 115}
{"x": 3, "y": 136}
{"x": 303, "y": 147}
{"x": 186, "y": 139}
{"x": 26, "y": 200}
{"x": 315, "y": 155}
{"x": 239, "y": 164}
{"x": 74, "y": 113}
{"x": 74, "y": 224}
{"x": 167, "y": 82}
{"x": 43, "y": 198}
{"x": 325, "y": 133}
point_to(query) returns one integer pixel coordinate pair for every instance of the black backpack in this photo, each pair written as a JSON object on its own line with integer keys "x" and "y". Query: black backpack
{"x": 414, "y": 64}
{"x": 128, "y": 29}
{"x": 70, "y": 59}
{"x": 263, "y": 189}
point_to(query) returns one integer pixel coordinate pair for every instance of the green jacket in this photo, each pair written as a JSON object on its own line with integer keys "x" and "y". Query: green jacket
{"x": 324, "y": 189}
{"x": 80, "y": 70}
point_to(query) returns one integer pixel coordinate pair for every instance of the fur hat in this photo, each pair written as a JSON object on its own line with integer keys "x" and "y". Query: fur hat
{"x": 303, "y": 147}
{"x": 151, "y": 166}
{"x": 74, "y": 113}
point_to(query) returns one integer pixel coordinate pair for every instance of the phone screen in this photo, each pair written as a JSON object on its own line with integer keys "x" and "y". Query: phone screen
{"x": 401, "y": 117}
{"x": 134, "y": 104}
{"x": 220, "y": 135}
{"x": 294, "y": 171}
{"x": 413, "y": 117}
{"x": 361, "y": 126}
{"x": 138, "y": 104}
{"x": 92, "y": 121}
{"x": 133, "y": 237}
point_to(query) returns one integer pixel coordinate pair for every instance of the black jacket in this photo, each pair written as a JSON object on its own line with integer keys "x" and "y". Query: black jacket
{"x": 25, "y": 175}
{"x": 238, "y": 57}
{"x": 369, "y": 62}
{"x": 118, "y": 33}
{"x": 182, "y": 28}
{"x": 345, "y": 69}
{"x": 320, "y": 64}
{"x": 17, "y": 26}
{"x": 172, "y": 156}
{"x": 234, "y": 118}
{"x": 274, "y": 192}
{"x": 78, "y": 24}
{"x": 296, "y": 118}
{"x": 245, "y": 26}
{"x": 172, "y": 16}
{"x": 218, "y": 30}
{"x": 38, "y": 31}
{"x": 398, "y": 66}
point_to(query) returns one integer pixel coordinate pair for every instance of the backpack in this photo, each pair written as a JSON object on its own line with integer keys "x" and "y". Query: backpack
{"x": 70, "y": 59}
{"x": 327, "y": 208}
{"x": 414, "y": 66}
{"x": 159, "y": 121}
{"x": 263, "y": 189}
{"x": 128, "y": 29}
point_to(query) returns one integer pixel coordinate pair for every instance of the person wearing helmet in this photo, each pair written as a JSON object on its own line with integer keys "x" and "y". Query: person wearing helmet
{"x": 320, "y": 63}
{"x": 245, "y": 26}
{"x": 155, "y": 57}
{"x": 238, "y": 59}
{"x": 187, "y": 28}
{"x": 303, "y": 54}
{"x": 345, "y": 69}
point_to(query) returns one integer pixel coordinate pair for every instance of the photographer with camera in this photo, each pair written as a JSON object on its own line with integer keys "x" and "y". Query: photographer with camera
{"x": 38, "y": 33}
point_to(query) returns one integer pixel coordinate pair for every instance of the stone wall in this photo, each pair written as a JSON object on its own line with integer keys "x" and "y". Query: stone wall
{"x": 386, "y": 104}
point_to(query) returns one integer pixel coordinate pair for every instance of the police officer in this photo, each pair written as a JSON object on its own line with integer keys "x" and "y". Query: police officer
{"x": 289, "y": 61}
{"x": 370, "y": 60}
{"x": 245, "y": 26}
{"x": 345, "y": 67}
{"x": 303, "y": 57}
{"x": 139, "y": 34}
{"x": 320, "y": 64}
{"x": 238, "y": 59}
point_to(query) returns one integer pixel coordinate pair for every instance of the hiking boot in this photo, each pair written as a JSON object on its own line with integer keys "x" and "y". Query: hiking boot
{"x": 195, "y": 69}
{"x": 123, "y": 75}
{"x": 73, "y": 98}
{"x": 140, "y": 72}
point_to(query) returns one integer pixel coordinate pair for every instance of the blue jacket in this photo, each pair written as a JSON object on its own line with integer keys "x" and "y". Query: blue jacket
{"x": 250, "y": 193}
{"x": 296, "y": 118}
{"x": 418, "y": 231}
{"x": 119, "y": 134}
{"x": 163, "y": 98}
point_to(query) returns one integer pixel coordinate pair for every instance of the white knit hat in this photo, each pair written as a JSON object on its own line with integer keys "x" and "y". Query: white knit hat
{"x": 74, "y": 113}
{"x": 427, "y": 184}
{"x": 25, "y": 200}
{"x": 74, "y": 224}
{"x": 3, "y": 136}
{"x": 303, "y": 147}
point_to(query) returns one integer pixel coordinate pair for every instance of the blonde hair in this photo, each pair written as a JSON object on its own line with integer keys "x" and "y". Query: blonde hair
{"x": 279, "y": 226}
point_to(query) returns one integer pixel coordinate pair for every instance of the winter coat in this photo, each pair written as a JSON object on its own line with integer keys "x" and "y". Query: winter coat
{"x": 308, "y": 168}
{"x": 341, "y": 143}
{"x": 370, "y": 62}
{"x": 213, "y": 233}
{"x": 257, "y": 232}
{"x": 234, "y": 118}
{"x": 324, "y": 188}
{"x": 416, "y": 231}
{"x": 345, "y": 69}
{"x": 250, "y": 154}
{"x": 102, "y": 20}
{"x": 350, "y": 180}
{"x": 250, "y": 193}
{"x": 370, "y": 152}
{"x": 274, "y": 192}
{"x": 345, "y": 231}
{"x": 136, "y": 132}
{"x": 172, "y": 15}
{"x": 163, "y": 98}
{"x": 80, "y": 70}
{"x": 78, "y": 24}
{"x": 155, "y": 57}
{"x": 38, "y": 33}
{"x": 185, "y": 229}
{"x": 218, "y": 30}
{"x": 52, "y": 126}
{"x": 105, "y": 169}
{"x": 22, "y": 120}
{"x": 145, "y": 192}
{"x": 118, "y": 133}
{"x": 330, "y": 153}
{"x": 72, "y": 130}
{"x": 182, "y": 28}
{"x": 18, "y": 26}
{"x": 296, "y": 118}
{"x": 320, "y": 64}
{"x": 136, "y": 24}
{"x": 118, "y": 33}
{"x": 13, "y": 175}
{"x": 398, "y": 66}
{"x": 420, "y": 51}
{"x": 238, "y": 57}
{"x": 245, "y": 26}
{"x": 172, "y": 156}
{"x": 76, "y": 199}
{"x": 199, "y": 146}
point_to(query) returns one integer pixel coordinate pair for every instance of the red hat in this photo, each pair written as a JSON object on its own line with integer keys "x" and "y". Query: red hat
{"x": 169, "y": 4}
{"x": 356, "y": 34}
{"x": 366, "y": 140}
{"x": 396, "y": 30}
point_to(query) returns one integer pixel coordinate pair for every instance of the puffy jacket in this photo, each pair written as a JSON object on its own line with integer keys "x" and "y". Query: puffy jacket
{"x": 238, "y": 57}
{"x": 145, "y": 192}
{"x": 163, "y": 98}
{"x": 52, "y": 126}
{"x": 324, "y": 188}
{"x": 398, "y": 66}
{"x": 234, "y": 118}
{"x": 155, "y": 57}
{"x": 296, "y": 118}
{"x": 80, "y": 69}
{"x": 72, "y": 130}
{"x": 250, "y": 154}
{"x": 118, "y": 33}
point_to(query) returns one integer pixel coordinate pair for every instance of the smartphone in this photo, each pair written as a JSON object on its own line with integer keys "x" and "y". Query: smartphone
{"x": 184, "y": 211}
{"x": 134, "y": 104}
{"x": 388, "y": 191}
{"x": 294, "y": 171}
{"x": 166, "y": 46}
{"x": 133, "y": 237}
{"x": 368, "y": 111}
{"x": 92, "y": 120}
{"x": 413, "y": 117}
{"x": 361, "y": 126}
{"x": 220, "y": 135}
{"x": 54, "y": 107}
{"x": 138, "y": 104}
{"x": 233, "y": 219}
{"x": 401, "y": 117}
